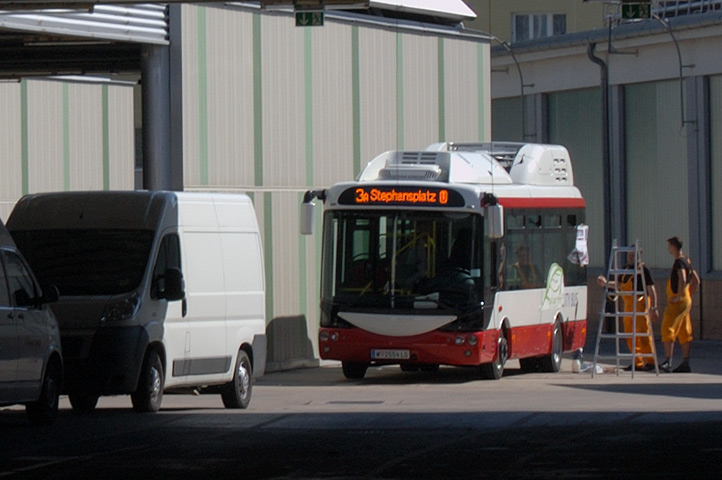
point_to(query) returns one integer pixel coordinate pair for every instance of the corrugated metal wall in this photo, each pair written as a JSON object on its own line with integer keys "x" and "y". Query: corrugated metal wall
{"x": 274, "y": 110}
{"x": 144, "y": 23}
{"x": 571, "y": 125}
{"x": 507, "y": 119}
{"x": 657, "y": 169}
{"x": 656, "y": 157}
{"x": 11, "y": 153}
{"x": 64, "y": 136}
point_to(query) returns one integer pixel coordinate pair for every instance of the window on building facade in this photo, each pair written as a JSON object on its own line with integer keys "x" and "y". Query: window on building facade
{"x": 528, "y": 26}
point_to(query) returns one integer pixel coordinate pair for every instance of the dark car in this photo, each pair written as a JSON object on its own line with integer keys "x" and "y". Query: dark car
{"x": 31, "y": 364}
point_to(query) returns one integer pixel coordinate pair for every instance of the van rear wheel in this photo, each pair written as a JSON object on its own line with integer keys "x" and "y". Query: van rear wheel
{"x": 237, "y": 392}
{"x": 149, "y": 394}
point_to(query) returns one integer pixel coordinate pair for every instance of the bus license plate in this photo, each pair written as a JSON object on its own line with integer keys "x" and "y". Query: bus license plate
{"x": 390, "y": 354}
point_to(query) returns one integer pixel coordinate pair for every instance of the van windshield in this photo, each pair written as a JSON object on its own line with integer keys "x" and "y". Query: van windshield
{"x": 87, "y": 262}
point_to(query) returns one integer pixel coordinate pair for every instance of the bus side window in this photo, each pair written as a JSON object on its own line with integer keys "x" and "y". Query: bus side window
{"x": 515, "y": 238}
{"x": 574, "y": 273}
{"x": 533, "y": 221}
{"x": 555, "y": 244}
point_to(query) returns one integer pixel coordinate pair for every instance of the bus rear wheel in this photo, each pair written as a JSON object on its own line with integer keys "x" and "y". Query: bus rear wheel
{"x": 354, "y": 371}
{"x": 495, "y": 369}
{"x": 553, "y": 362}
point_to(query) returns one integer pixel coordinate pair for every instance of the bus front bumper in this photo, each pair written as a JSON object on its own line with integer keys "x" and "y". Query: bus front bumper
{"x": 434, "y": 348}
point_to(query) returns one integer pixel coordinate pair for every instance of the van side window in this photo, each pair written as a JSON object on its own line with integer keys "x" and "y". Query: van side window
{"x": 22, "y": 288}
{"x": 4, "y": 295}
{"x": 168, "y": 257}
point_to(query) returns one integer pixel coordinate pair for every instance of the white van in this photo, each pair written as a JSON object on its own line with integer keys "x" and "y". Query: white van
{"x": 159, "y": 291}
{"x": 31, "y": 362}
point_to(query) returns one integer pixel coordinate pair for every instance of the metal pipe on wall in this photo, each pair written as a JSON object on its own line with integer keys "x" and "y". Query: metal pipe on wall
{"x": 606, "y": 158}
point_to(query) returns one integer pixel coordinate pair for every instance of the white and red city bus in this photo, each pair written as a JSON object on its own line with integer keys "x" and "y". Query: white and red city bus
{"x": 462, "y": 254}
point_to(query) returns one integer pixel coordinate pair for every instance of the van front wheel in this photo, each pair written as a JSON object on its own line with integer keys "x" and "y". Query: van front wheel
{"x": 237, "y": 392}
{"x": 149, "y": 395}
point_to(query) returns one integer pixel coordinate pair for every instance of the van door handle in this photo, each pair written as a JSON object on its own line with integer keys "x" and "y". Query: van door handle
{"x": 184, "y": 307}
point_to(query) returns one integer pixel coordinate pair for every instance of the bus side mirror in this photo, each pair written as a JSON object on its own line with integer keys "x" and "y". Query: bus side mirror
{"x": 307, "y": 207}
{"x": 306, "y": 220}
{"x": 495, "y": 221}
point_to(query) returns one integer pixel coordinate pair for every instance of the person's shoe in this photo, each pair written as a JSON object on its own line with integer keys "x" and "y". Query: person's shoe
{"x": 665, "y": 367}
{"x": 647, "y": 367}
{"x": 628, "y": 368}
{"x": 683, "y": 368}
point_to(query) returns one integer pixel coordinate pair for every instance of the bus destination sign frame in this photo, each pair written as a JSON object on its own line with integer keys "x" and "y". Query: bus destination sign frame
{"x": 406, "y": 196}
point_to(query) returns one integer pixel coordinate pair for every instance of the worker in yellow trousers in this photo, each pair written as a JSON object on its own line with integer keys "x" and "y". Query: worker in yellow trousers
{"x": 642, "y": 347}
{"x": 677, "y": 324}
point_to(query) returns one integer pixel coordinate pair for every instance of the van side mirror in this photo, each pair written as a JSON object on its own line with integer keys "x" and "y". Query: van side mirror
{"x": 306, "y": 218}
{"x": 495, "y": 221}
{"x": 174, "y": 288}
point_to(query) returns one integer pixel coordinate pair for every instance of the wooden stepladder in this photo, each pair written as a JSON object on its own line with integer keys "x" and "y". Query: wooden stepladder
{"x": 619, "y": 268}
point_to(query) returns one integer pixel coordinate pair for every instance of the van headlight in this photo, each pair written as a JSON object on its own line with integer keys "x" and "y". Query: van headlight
{"x": 121, "y": 310}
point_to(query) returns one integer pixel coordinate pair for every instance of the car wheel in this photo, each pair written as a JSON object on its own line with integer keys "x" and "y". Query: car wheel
{"x": 237, "y": 392}
{"x": 45, "y": 409}
{"x": 149, "y": 394}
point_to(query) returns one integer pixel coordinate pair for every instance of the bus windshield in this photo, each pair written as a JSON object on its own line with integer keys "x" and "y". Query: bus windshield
{"x": 87, "y": 262}
{"x": 402, "y": 259}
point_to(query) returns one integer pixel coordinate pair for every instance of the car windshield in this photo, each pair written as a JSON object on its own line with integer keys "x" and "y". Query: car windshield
{"x": 400, "y": 259}
{"x": 87, "y": 262}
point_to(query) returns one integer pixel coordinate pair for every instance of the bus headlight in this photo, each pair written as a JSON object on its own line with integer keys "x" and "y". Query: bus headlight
{"x": 323, "y": 336}
{"x": 472, "y": 340}
{"x": 459, "y": 340}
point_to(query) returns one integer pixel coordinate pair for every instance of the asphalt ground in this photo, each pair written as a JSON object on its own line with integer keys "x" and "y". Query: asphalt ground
{"x": 315, "y": 424}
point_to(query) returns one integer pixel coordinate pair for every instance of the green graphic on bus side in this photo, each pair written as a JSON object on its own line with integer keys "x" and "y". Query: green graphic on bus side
{"x": 554, "y": 294}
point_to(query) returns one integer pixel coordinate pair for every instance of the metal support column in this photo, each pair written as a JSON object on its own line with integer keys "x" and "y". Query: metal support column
{"x": 699, "y": 186}
{"x": 155, "y": 84}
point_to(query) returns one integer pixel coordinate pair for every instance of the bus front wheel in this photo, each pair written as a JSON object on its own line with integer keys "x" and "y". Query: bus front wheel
{"x": 495, "y": 369}
{"x": 354, "y": 371}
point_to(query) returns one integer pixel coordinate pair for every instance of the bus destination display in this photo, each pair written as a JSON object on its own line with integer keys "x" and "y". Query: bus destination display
{"x": 404, "y": 196}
